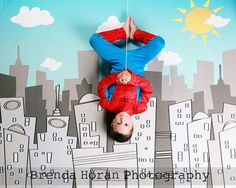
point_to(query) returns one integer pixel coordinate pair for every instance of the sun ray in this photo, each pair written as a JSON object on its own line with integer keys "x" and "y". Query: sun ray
{"x": 214, "y": 32}
{"x": 192, "y": 4}
{"x": 217, "y": 9}
{"x": 204, "y": 38}
{"x": 178, "y": 19}
{"x": 183, "y": 29}
{"x": 193, "y": 36}
{"x": 207, "y": 3}
{"x": 183, "y": 11}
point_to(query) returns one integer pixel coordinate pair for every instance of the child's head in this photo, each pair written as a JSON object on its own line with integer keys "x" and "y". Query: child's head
{"x": 124, "y": 77}
{"x": 122, "y": 127}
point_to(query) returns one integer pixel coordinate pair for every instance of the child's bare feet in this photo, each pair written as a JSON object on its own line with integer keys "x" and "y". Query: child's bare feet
{"x": 133, "y": 28}
{"x": 126, "y": 27}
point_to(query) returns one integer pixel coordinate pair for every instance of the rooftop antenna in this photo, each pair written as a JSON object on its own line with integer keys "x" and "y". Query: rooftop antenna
{"x": 57, "y": 111}
{"x": 18, "y": 61}
{"x": 220, "y": 75}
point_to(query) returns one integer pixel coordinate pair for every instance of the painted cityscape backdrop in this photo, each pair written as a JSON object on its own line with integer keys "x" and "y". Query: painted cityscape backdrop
{"x": 54, "y": 133}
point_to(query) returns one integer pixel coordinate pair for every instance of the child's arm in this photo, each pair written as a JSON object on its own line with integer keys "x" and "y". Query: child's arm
{"x": 146, "y": 88}
{"x": 102, "y": 85}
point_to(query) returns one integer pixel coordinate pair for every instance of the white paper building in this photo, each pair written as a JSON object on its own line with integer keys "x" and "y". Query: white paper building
{"x": 144, "y": 137}
{"x": 13, "y": 120}
{"x": 91, "y": 124}
{"x": 228, "y": 151}
{"x": 180, "y": 115}
{"x": 215, "y": 152}
{"x": 88, "y": 162}
{"x": 54, "y": 154}
{"x": 198, "y": 135}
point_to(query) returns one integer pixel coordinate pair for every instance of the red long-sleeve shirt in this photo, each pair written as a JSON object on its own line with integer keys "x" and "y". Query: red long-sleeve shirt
{"x": 124, "y": 97}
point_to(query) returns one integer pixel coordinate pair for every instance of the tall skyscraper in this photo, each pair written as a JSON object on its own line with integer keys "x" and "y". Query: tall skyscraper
{"x": 88, "y": 64}
{"x": 48, "y": 90}
{"x": 221, "y": 94}
{"x": 202, "y": 81}
{"x": 20, "y": 71}
{"x": 229, "y": 65}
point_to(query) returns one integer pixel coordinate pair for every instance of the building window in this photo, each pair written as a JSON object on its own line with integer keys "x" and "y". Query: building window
{"x": 148, "y": 121}
{"x": 83, "y": 120}
{"x": 206, "y": 126}
{"x": 9, "y": 137}
{"x": 93, "y": 126}
{"x": 197, "y": 165}
{"x": 151, "y": 103}
{"x": 220, "y": 171}
{"x": 20, "y": 170}
{"x": 173, "y": 136}
{"x": 54, "y": 139}
{"x": 15, "y": 157}
{"x": 27, "y": 121}
{"x": 36, "y": 154}
{"x": 194, "y": 145}
{"x": 60, "y": 139}
{"x": 194, "y": 150}
{"x": 233, "y": 116}
{"x": 176, "y": 123}
{"x": 148, "y": 125}
{"x": 220, "y": 118}
{"x": 1, "y": 169}
{"x": 85, "y": 143}
{"x": 136, "y": 138}
{"x": 197, "y": 136}
{"x": 11, "y": 173}
{"x": 84, "y": 128}
{"x": 182, "y": 181}
{"x": 188, "y": 115}
{"x": 232, "y": 178}
{"x": 9, "y": 167}
{"x": 49, "y": 182}
{"x": 95, "y": 143}
{"x": 68, "y": 147}
{"x": 43, "y": 167}
{"x": 99, "y": 108}
{"x": 186, "y": 105}
{"x": 148, "y": 138}
{"x": 14, "y": 119}
{"x": 179, "y": 110}
{"x": 83, "y": 115}
{"x": 54, "y": 134}
{"x": 69, "y": 152}
{"x": 142, "y": 126}
{"x": 205, "y": 157}
{"x": 66, "y": 180}
{"x": 17, "y": 182}
{"x": 233, "y": 153}
{"x": 181, "y": 123}
{"x": 228, "y": 167}
{"x": 21, "y": 146}
{"x": 70, "y": 141}
{"x": 49, "y": 157}
{"x": 179, "y": 116}
{"x": 139, "y": 133}
{"x": 174, "y": 166}
{"x": 85, "y": 134}
{"x": 137, "y": 117}
{"x": 196, "y": 159}
{"x": 42, "y": 136}
{"x": 180, "y": 156}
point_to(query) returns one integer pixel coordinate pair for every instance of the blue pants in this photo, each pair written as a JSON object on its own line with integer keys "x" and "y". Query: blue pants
{"x": 116, "y": 57}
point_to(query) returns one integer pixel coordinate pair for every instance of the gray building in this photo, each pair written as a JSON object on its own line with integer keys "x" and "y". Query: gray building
{"x": 20, "y": 71}
{"x": 202, "y": 81}
{"x": 229, "y": 65}
{"x": 7, "y": 86}
{"x": 48, "y": 90}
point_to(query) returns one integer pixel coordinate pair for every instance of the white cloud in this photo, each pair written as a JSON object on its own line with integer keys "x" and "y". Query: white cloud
{"x": 111, "y": 23}
{"x": 217, "y": 21}
{"x": 51, "y": 64}
{"x": 32, "y": 18}
{"x": 169, "y": 58}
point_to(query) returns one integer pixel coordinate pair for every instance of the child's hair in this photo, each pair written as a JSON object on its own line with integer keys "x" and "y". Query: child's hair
{"x": 120, "y": 137}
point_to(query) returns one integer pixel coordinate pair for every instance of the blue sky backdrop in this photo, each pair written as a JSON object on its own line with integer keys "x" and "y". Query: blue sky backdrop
{"x": 75, "y": 20}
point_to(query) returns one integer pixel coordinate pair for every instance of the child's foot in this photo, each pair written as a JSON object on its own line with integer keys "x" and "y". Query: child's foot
{"x": 126, "y": 27}
{"x": 133, "y": 28}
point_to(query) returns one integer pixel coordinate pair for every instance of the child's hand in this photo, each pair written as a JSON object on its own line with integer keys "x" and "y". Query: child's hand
{"x": 124, "y": 77}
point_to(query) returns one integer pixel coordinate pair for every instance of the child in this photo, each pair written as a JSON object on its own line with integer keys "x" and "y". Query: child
{"x": 119, "y": 92}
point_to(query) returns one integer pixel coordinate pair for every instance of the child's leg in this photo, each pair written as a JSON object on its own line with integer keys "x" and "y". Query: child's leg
{"x": 138, "y": 58}
{"x": 101, "y": 43}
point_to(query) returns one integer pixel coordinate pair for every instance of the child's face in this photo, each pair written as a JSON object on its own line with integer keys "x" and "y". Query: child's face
{"x": 124, "y": 77}
{"x": 122, "y": 123}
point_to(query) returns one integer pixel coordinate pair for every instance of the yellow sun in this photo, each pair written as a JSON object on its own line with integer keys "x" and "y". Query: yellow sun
{"x": 195, "y": 20}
